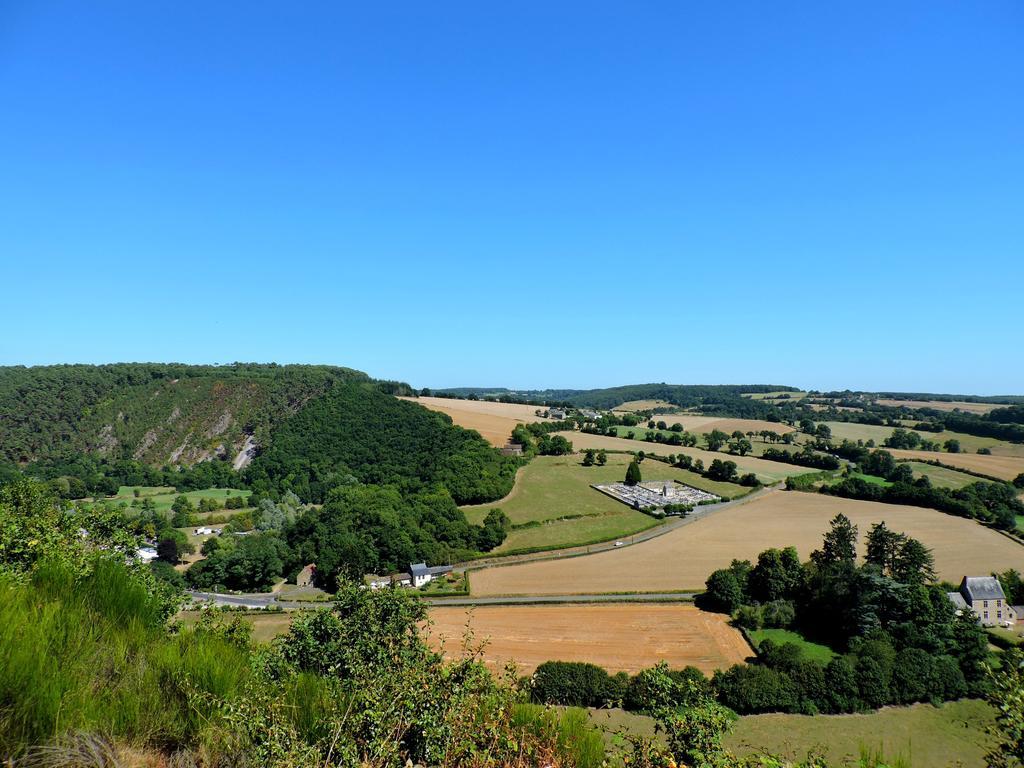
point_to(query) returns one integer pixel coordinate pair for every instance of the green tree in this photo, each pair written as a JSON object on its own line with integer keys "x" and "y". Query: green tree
{"x": 633, "y": 476}
{"x": 1018, "y": 481}
{"x": 777, "y": 575}
{"x": 914, "y": 563}
{"x": 722, "y": 592}
{"x": 715, "y": 439}
{"x": 602, "y": 458}
{"x": 1007, "y": 697}
{"x": 839, "y": 545}
{"x": 588, "y": 457}
{"x": 883, "y": 547}
{"x": 952, "y": 446}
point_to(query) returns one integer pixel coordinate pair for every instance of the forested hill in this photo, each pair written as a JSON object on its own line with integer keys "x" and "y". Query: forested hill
{"x": 154, "y": 413}
{"x": 357, "y": 433}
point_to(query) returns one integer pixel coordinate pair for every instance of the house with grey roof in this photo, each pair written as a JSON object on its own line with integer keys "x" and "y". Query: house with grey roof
{"x": 984, "y": 597}
{"x": 423, "y": 574}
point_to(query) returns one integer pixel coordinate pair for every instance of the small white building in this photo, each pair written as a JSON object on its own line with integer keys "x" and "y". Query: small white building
{"x": 146, "y": 554}
{"x": 422, "y": 574}
{"x": 203, "y": 531}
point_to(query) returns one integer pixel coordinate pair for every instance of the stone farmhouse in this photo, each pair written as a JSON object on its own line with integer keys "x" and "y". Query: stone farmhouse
{"x": 984, "y": 597}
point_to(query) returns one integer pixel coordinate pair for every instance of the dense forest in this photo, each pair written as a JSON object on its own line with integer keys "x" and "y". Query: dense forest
{"x": 357, "y": 432}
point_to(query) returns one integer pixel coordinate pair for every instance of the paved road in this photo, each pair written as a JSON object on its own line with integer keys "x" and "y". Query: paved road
{"x": 254, "y": 602}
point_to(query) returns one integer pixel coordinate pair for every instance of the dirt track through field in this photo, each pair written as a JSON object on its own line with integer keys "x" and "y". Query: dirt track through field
{"x": 618, "y": 637}
{"x": 683, "y": 558}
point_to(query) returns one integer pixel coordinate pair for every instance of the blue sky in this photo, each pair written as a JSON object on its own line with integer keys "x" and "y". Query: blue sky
{"x": 531, "y": 195}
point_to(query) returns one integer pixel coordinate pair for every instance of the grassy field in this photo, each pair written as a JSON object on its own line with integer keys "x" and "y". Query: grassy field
{"x": 812, "y": 651}
{"x": 554, "y": 487}
{"x": 942, "y": 477}
{"x": 683, "y": 558}
{"x": 873, "y": 479}
{"x": 163, "y": 497}
{"x": 1005, "y": 467}
{"x": 625, "y": 637}
{"x": 922, "y": 736}
{"x": 766, "y": 471}
{"x": 494, "y": 421}
{"x": 844, "y": 430}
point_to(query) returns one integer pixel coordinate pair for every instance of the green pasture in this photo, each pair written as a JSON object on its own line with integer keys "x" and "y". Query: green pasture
{"x": 163, "y": 497}
{"x": 811, "y": 651}
{"x": 942, "y": 477}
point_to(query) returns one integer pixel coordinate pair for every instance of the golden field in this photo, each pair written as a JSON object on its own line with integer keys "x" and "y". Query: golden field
{"x": 494, "y": 421}
{"x": 621, "y": 637}
{"x": 683, "y": 558}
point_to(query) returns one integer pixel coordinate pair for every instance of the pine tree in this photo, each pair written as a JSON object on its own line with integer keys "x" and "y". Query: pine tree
{"x": 633, "y": 473}
{"x": 839, "y": 544}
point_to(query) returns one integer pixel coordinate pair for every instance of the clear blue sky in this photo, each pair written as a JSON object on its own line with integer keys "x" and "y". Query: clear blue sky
{"x": 524, "y": 194}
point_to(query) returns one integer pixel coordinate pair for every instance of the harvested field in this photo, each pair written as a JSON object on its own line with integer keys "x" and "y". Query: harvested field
{"x": 618, "y": 637}
{"x": 642, "y": 405}
{"x": 940, "y": 405}
{"x": 683, "y": 558}
{"x": 1005, "y": 467}
{"x": 766, "y": 471}
{"x": 494, "y": 421}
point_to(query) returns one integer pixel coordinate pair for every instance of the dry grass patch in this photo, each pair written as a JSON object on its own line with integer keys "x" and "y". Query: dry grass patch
{"x": 618, "y": 637}
{"x": 494, "y": 421}
{"x": 683, "y": 558}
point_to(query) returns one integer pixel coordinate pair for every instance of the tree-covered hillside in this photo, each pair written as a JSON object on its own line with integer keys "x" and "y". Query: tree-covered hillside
{"x": 155, "y": 413}
{"x": 355, "y": 430}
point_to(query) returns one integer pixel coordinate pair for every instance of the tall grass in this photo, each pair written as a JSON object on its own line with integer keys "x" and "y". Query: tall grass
{"x": 568, "y": 727}
{"x": 90, "y": 654}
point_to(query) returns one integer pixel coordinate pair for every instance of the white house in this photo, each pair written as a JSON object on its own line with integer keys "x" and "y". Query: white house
{"x": 421, "y": 574}
{"x": 146, "y": 554}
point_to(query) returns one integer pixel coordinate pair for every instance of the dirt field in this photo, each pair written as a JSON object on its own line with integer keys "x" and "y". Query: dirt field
{"x": 766, "y": 471}
{"x": 683, "y": 558}
{"x": 1005, "y": 467}
{"x": 494, "y": 421}
{"x": 620, "y": 637}
{"x": 942, "y": 406}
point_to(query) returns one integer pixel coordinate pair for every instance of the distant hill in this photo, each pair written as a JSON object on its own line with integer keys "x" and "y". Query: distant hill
{"x": 709, "y": 396}
{"x": 154, "y": 413}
